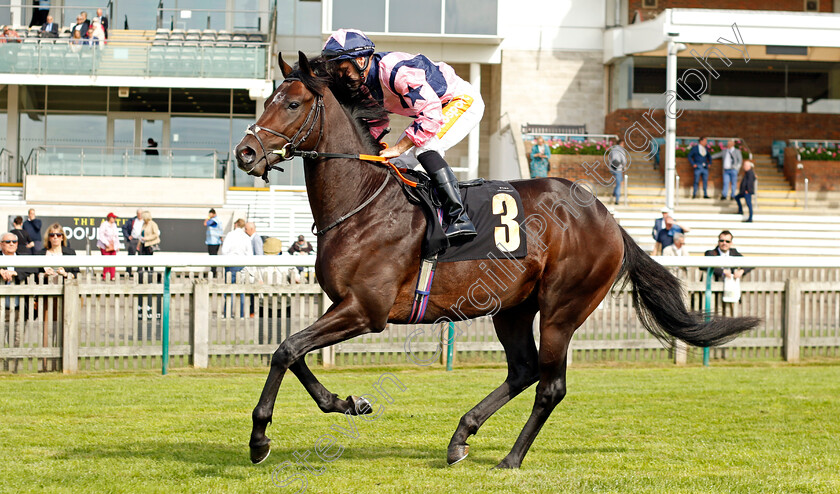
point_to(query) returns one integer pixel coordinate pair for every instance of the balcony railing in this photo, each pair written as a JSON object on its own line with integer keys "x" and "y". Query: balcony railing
{"x": 60, "y": 57}
{"x": 124, "y": 162}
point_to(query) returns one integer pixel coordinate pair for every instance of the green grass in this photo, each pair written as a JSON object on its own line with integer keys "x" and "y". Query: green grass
{"x": 740, "y": 429}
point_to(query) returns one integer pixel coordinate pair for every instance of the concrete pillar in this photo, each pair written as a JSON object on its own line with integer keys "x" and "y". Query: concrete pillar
{"x": 472, "y": 140}
{"x": 12, "y": 132}
{"x": 16, "y": 12}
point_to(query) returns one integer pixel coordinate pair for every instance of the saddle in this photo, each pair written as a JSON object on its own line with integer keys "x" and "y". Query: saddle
{"x": 493, "y": 206}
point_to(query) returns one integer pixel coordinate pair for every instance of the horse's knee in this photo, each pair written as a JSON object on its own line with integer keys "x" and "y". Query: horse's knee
{"x": 524, "y": 375}
{"x": 468, "y": 423}
{"x": 283, "y": 357}
{"x": 550, "y": 395}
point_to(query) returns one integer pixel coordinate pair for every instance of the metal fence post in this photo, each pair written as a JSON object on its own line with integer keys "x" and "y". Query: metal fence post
{"x": 708, "y": 310}
{"x": 793, "y": 298}
{"x": 806, "y": 193}
{"x": 70, "y": 328}
{"x": 626, "y": 189}
{"x": 167, "y": 274}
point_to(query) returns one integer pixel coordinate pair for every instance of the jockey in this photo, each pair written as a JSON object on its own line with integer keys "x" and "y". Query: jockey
{"x": 445, "y": 108}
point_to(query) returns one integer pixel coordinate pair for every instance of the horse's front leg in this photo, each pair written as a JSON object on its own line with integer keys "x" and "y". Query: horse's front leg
{"x": 328, "y": 402}
{"x": 347, "y": 320}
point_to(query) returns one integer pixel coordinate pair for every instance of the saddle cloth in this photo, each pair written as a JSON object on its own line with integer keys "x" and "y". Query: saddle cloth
{"x": 495, "y": 209}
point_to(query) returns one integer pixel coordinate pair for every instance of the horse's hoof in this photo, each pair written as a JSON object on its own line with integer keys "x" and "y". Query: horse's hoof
{"x": 260, "y": 453}
{"x": 457, "y": 453}
{"x": 359, "y": 405}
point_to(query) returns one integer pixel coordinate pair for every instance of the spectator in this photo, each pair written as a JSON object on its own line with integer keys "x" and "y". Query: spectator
{"x": 301, "y": 247}
{"x": 25, "y": 243}
{"x": 57, "y": 245}
{"x": 13, "y": 276}
{"x": 9, "y": 35}
{"x": 151, "y": 147}
{"x": 76, "y": 42}
{"x": 666, "y": 235}
{"x": 32, "y": 226}
{"x": 678, "y": 248}
{"x": 108, "y": 241}
{"x": 213, "y": 236}
{"x": 9, "y": 275}
{"x": 724, "y": 248}
{"x": 82, "y": 25}
{"x": 660, "y": 222}
{"x": 540, "y": 153}
{"x": 700, "y": 158}
{"x": 731, "y": 158}
{"x": 132, "y": 229}
{"x": 237, "y": 243}
{"x": 95, "y": 32}
{"x": 150, "y": 236}
{"x": 104, "y": 21}
{"x": 618, "y": 165}
{"x": 49, "y": 29}
{"x": 747, "y": 189}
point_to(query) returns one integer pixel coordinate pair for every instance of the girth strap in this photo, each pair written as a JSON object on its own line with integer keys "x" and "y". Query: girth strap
{"x": 423, "y": 289}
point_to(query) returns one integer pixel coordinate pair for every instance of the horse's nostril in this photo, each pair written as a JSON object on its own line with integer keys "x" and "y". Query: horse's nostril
{"x": 245, "y": 154}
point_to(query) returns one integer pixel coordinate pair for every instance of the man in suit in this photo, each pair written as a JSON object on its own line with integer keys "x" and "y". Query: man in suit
{"x": 724, "y": 248}
{"x": 731, "y": 158}
{"x": 103, "y": 20}
{"x": 131, "y": 230}
{"x": 82, "y": 25}
{"x": 747, "y": 189}
{"x": 49, "y": 29}
{"x": 700, "y": 158}
{"x": 13, "y": 276}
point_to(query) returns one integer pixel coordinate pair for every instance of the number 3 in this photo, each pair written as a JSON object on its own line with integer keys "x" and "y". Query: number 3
{"x": 507, "y": 235}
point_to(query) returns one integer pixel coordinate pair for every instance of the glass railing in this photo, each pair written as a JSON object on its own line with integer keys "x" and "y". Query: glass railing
{"x": 47, "y": 56}
{"x": 125, "y": 162}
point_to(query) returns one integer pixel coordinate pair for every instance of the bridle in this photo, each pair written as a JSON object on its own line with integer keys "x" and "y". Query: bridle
{"x": 288, "y": 151}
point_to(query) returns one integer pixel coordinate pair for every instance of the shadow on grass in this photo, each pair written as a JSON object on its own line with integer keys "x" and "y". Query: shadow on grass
{"x": 216, "y": 459}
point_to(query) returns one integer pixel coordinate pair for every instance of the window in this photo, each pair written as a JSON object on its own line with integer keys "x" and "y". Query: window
{"x": 409, "y": 16}
{"x": 471, "y": 17}
{"x": 649, "y": 4}
{"x": 143, "y": 99}
{"x": 367, "y": 15}
{"x": 812, "y": 6}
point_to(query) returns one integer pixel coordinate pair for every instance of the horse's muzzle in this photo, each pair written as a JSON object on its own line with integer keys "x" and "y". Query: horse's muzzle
{"x": 248, "y": 161}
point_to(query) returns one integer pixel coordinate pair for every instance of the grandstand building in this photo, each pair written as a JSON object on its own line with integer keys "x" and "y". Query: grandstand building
{"x": 75, "y": 121}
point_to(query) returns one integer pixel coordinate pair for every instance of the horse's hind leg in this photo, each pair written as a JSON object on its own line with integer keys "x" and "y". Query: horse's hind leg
{"x": 326, "y": 401}
{"x": 513, "y": 328}
{"x": 554, "y": 343}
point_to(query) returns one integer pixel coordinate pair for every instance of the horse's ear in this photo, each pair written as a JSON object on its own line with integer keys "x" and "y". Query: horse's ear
{"x": 284, "y": 67}
{"x": 303, "y": 63}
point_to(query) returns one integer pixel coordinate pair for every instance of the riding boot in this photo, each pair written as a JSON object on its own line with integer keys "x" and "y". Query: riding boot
{"x": 446, "y": 186}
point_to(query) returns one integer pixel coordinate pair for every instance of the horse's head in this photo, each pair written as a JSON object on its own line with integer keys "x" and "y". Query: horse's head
{"x": 293, "y": 119}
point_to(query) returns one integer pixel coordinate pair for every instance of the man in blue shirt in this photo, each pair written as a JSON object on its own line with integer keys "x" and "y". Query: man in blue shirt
{"x": 213, "y": 239}
{"x": 666, "y": 235}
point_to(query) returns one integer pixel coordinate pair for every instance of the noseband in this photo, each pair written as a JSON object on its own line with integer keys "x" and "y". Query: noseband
{"x": 287, "y": 152}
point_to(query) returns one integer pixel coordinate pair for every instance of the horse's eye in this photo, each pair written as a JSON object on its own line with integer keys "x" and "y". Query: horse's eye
{"x": 294, "y": 105}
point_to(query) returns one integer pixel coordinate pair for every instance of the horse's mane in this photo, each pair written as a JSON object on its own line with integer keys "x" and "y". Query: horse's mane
{"x": 364, "y": 110}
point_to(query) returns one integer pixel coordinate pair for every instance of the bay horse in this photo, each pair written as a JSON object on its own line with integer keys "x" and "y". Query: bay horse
{"x": 368, "y": 265}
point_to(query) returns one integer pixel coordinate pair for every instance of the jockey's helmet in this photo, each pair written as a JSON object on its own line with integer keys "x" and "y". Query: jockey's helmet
{"x": 347, "y": 44}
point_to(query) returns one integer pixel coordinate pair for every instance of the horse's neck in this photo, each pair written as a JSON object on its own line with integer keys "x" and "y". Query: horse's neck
{"x": 335, "y": 186}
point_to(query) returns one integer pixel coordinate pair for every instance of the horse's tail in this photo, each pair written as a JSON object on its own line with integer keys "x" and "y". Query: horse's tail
{"x": 657, "y": 297}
